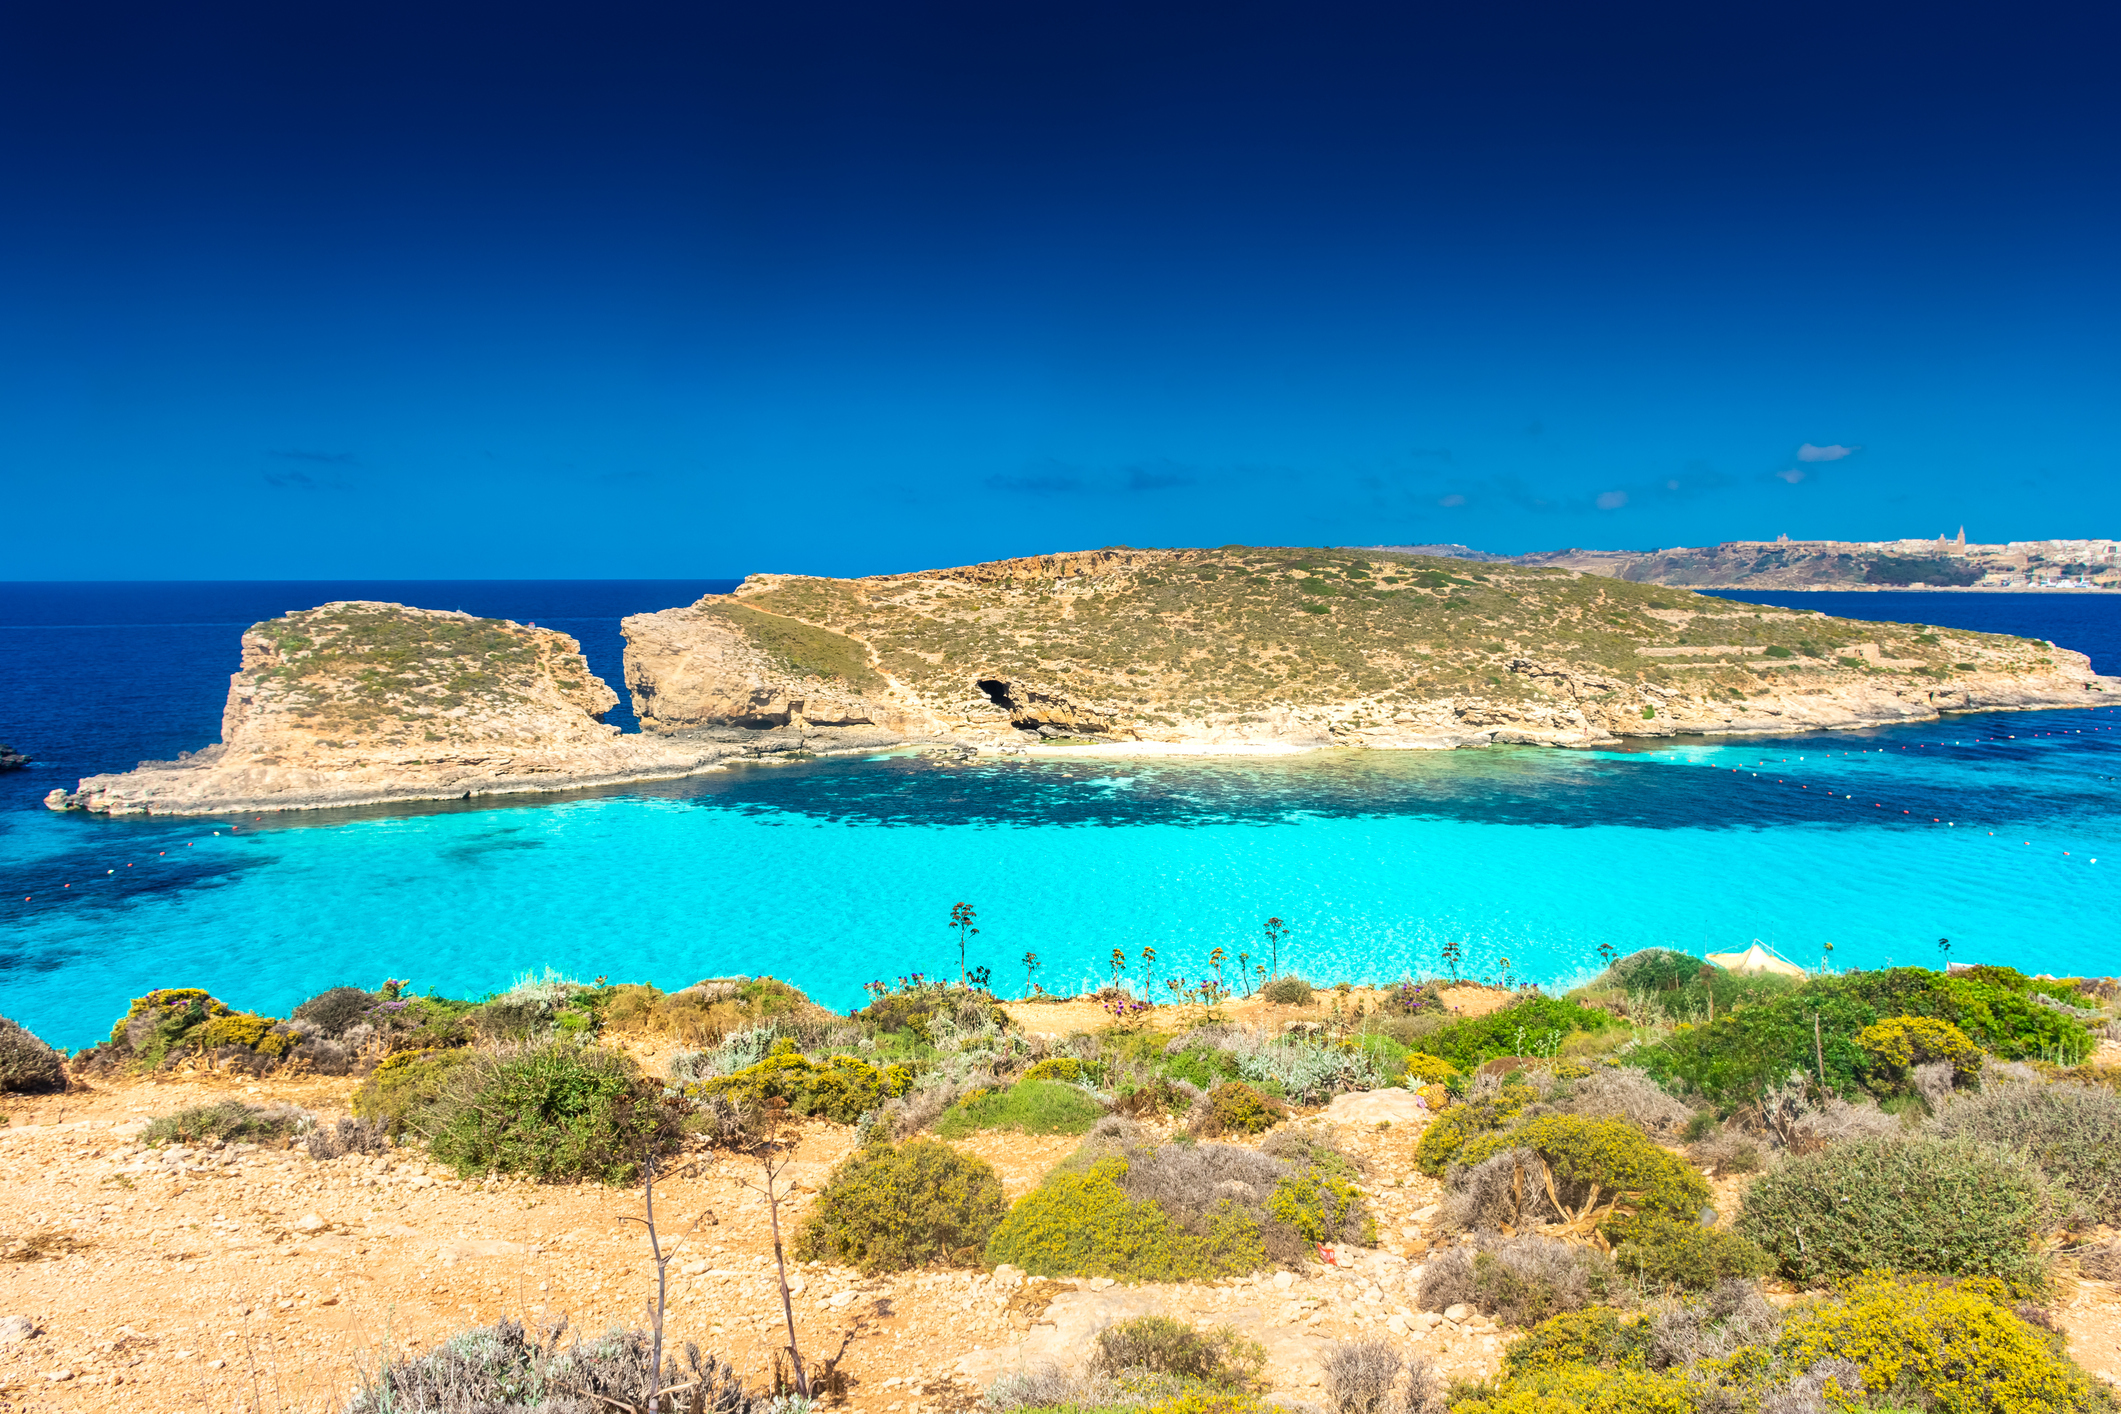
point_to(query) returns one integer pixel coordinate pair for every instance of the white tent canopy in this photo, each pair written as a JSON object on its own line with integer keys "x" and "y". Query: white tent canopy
{"x": 1755, "y": 959}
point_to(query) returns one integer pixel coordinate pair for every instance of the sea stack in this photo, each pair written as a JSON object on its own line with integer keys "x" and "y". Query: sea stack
{"x": 358, "y": 703}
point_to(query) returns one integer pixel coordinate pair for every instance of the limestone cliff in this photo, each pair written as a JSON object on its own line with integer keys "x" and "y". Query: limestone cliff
{"x": 1304, "y": 647}
{"x": 358, "y": 703}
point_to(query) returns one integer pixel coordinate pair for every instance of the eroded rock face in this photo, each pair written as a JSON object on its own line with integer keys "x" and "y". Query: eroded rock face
{"x": 356, "y": 703}
{"x": 714, "y": 664}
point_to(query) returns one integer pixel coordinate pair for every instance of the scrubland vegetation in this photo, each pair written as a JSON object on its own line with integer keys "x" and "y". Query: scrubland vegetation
{"x": 1145, "y": 638}
{"x": 1925, "y": 1160}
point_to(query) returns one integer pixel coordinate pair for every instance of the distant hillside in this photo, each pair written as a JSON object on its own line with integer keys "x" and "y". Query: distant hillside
{"x": 1841, "y": 564}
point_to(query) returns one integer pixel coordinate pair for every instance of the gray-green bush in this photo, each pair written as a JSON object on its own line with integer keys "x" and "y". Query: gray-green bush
{"x": 1919, "y": 1204}
{"x": 27, "y": 1065}
{"x": 505, "y": 1369}
{"x": 2071, "y": 1133}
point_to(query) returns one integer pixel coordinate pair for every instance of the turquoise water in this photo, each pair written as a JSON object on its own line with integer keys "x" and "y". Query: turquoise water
{"x": 1983, "y": 829}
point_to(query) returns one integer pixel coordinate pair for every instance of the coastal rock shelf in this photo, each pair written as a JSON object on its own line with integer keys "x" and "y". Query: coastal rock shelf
{"x": 1144, "y": 651}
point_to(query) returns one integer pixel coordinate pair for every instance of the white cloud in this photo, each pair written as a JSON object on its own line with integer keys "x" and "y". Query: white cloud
{"x": 1793, "y": 475}
{"x": 1833, "y": 453}
{"x": 1454, "y": 499}
{"x": 1611, "y": 500}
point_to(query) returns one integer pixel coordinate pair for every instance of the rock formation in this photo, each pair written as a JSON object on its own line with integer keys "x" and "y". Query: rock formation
{"x": 359, "y": 703}
{"x": 11, "y": 759}
{"x": 1241, "y": 647}
{"x": 1237, "y": 648}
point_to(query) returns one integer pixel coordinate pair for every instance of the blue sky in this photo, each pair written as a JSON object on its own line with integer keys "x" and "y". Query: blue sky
{"x": 695, "y": 289}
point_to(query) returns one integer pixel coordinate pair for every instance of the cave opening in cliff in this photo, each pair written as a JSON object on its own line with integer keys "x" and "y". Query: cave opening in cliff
{"x": 997, "y": 692}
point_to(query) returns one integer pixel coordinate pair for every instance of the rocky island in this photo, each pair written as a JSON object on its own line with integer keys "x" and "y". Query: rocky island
{"x": 1233, "y": 649}
{"x": 362, "y": 703}
{"x": 1241, "y": 647}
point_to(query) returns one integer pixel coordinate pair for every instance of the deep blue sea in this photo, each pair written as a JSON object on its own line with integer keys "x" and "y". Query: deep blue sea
{"x": 1984, "y": 829}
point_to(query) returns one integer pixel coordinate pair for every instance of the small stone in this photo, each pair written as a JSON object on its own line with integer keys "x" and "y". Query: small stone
{"x": 16, "y": 1329}
{"x": 57, "y": 1375}
{"x": 1284, "y": 1280}
{"x": 1396, "y": 1324}
{"x": 310, "y": 1222}
{"x": 216, "y": 1364}
{"x": 1457, "y": 1311}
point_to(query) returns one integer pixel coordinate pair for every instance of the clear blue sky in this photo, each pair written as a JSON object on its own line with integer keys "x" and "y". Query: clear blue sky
{"x": 646, "y": 289}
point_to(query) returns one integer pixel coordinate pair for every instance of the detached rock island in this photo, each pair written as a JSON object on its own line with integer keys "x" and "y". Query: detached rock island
{"x": 363, "y": 703}
{"x": 1236, "y": 649}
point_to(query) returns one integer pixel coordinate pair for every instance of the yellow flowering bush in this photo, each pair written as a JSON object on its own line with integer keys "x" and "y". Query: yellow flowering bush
{"x": 1449, "y": 1132}
{"x": 1082, "y": 1223}
{"x": 1425, "y": 1069}
{"x": 252, "y": 1033}
{"x": 1898, "y": 1044}
{"x": 1585, "y": 1389}
{"x": 1964, "y": 1352}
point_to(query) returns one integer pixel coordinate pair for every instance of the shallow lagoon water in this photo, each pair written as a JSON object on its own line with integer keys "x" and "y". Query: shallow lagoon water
{"x": 832, "y": 873}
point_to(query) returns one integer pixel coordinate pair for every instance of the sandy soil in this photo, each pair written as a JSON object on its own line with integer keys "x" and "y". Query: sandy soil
{"x": 1055, "y": 1019}
{"x": 258, "y": 1279}
{"x": 251, "y": 1278}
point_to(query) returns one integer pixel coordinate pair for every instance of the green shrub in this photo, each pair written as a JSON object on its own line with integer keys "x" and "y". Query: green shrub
{"x": 1152, "y": 1099}
{"x": 841, "y": 1088}
{"x": 1960, "y": 1353}
{"x": 1900, "y": 1043}
{"x": 229, "y": 1120}
{"x": 404, "y": 1086}
{"x": 1534, "y": 1026}
{"x": 1609, "y": 1156}
{"x": 1751, "y": 1049}
{"x": 159, "y": 1022}
{"x": 558, "y": 1113}
{"x": 1080, "y": 1222}
{"x": 1158, "y": 1345}
{"x": 1029, "y": 1106}
{"x": 886, "y": 1208}
{"x": 1669, "y": 1255}
{"x": 1288, "y": 990}
{"x": 1449, "y": 1132}
{"x": 1234, "y": 1106}
{"x": 26, "y": 1064}
{"x": 1951, "y": 1207}
{"x": 1203, "y": 1067}
{"x": 1066, "y": 1068}
{"x": 2071, "y": 1133}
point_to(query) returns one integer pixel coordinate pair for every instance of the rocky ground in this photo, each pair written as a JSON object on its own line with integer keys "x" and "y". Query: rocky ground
{"x": 251, "y": 1279}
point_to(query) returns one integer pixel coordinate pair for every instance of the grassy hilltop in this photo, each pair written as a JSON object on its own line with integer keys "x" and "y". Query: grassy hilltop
{"x": 1153, "y": 636}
